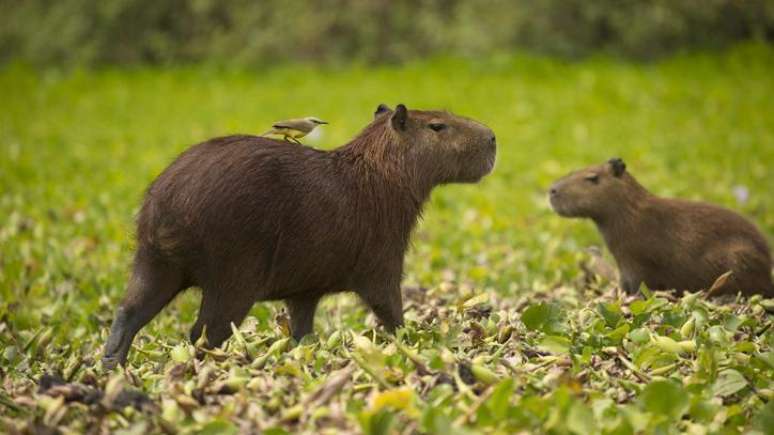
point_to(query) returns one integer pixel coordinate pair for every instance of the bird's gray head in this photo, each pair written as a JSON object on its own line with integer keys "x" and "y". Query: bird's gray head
{"x": 315, "y": 120}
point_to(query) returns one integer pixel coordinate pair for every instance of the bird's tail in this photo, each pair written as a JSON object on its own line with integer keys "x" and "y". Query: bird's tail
{"x": 272, "y": 131}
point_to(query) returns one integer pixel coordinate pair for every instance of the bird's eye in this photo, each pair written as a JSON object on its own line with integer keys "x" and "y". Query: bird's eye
{"x": 436, "y": 126}
{"x": 594, "y": 178}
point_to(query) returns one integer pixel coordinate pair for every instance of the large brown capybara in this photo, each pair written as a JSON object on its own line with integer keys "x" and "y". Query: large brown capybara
{"x": 251, "y": 219}
{"x": 665, "y": 243}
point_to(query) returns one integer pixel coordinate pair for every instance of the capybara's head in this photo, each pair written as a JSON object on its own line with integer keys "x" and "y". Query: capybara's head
{"x": 593, "y": 192}
{"x": 439, "y": 145}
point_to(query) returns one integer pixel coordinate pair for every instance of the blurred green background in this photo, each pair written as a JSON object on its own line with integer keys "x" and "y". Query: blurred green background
{"x": 99, "y": 98}
{"x": 261, "y": 33}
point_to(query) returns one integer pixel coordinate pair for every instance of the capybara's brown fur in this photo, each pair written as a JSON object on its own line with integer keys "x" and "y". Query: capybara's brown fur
{"x": 665, "y": 243}
{"x": 251, "y": 219}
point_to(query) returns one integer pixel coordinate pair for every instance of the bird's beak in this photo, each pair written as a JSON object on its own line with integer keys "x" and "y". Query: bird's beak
{"x": 322, "y": 122}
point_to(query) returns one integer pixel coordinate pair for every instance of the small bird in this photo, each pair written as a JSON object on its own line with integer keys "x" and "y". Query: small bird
{"x": 294, "y": 129}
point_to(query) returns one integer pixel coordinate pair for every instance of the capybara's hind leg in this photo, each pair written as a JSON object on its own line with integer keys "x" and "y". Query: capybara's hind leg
{"x": 748, "y": 282}
{"x": 301, "y": 310}
{"x": 751, "y": 274}
{"x": 754, "y": 276}
{"x": 220, "y": 307}
{"x": 152, "y": 285}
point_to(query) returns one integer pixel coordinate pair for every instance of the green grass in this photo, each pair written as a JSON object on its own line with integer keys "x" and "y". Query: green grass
{"x": 78, "y": 148}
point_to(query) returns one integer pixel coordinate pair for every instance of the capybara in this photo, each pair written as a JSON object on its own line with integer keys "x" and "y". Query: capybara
{"x": 249, "y": 219}
{"x": 669, "y": 244}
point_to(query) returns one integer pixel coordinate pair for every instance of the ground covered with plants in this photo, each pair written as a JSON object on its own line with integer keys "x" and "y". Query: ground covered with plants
{"x": 512, "y": 322}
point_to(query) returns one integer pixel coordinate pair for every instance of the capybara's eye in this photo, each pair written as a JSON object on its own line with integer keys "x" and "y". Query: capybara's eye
{"x": 436, "y": 126}
{"x": 594, "y": 178}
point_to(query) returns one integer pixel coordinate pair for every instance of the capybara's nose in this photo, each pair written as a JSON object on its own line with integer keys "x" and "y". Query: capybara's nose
{"x": 490, "y": 143}
{"x": 553, "y": 191}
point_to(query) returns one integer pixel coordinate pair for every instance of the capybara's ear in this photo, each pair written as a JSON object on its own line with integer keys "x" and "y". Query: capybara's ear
{"x": 381, "y": 109}
{"x": 618, "y": 165}
{"x": 399, "y": 117}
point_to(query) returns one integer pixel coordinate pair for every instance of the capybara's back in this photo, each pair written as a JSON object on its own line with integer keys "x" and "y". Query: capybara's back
{"x": 249, "y": 209}
{"x": 249, "y": 218}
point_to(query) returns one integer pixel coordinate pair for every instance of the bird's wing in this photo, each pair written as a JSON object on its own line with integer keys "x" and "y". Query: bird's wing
{"x": 296, "y": 124}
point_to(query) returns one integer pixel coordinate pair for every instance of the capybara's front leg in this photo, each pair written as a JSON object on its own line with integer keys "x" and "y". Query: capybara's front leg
{"x": 629, "y": 283}
{"x": 221, "y": 306}
{"x": 301, "y": 310}
{"x": 387, "y": 304}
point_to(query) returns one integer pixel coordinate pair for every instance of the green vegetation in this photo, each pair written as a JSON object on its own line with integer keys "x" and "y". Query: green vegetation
{"x": 505, "y": 330}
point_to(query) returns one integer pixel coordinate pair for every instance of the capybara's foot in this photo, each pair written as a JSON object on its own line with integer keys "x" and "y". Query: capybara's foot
{"x": 118, "y": 343}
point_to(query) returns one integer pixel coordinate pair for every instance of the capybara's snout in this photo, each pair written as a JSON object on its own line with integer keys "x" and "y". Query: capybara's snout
{"x": 555, "y": 198}
{"x": 488, "y": 151}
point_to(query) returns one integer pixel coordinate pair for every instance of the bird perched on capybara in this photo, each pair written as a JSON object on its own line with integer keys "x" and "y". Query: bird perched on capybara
{"x": 294, "y": 129}
{"x": 665, "y": 243}
{"x": 252, "y": 219}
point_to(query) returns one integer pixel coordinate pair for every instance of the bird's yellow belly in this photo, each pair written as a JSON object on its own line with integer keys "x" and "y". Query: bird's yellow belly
{"x": 296, "y": 134}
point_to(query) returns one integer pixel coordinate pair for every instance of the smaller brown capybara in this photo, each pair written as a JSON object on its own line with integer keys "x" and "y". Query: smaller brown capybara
{"x": 665, "y": 243}
{"x": 251, "y": 219}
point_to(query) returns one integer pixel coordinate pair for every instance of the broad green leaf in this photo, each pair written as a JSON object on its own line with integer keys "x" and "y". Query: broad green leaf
{"x": 618, "y": 333}
{"x": 664, "y": 398}
{"x": 555, "y": 344}
{"x": 611, "y": 312}
{"x": 764, "y": 418}
{"x": 218, "y": 427}
{"x": 767, "y": 357}
{"x": 639, "y": 335}
{"x": 499, "y": 401}
{"x": 729, "y": 381}
{"x": 580, "y": 419}
{"x": 380, "y": 423}
{"x": 484, "y": 374}
{"x": 544, "y": 317}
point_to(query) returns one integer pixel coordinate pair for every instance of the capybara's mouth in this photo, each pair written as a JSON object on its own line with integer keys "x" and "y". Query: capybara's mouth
{"x": 559, "y": 207}
{"x": 487, "y": 167}
{"x": 491, "y": 158}
{"x": 476, "y": 166}
{"x": 490, "y": 163}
